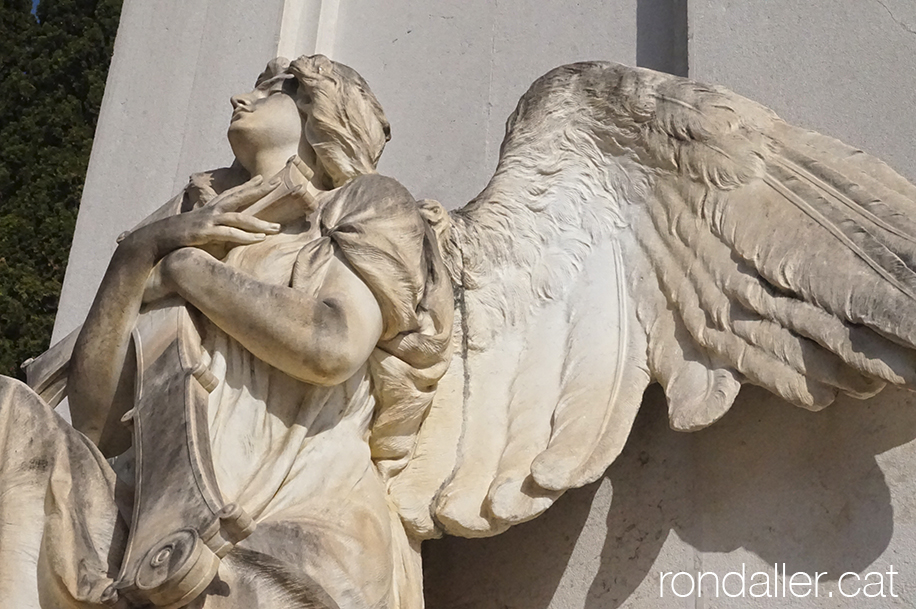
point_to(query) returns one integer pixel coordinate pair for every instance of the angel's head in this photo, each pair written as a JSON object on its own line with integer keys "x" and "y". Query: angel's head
{"x": 314, "y": 107}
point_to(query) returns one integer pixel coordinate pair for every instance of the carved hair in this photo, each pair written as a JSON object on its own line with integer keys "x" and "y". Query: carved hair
{"x": 345, "y": 124}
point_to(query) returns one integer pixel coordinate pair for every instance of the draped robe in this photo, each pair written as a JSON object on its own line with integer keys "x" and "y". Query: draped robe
{"x": 309, "y": 463}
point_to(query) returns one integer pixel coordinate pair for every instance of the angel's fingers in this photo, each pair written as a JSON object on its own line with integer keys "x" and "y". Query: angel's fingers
{"x": 247, "y": 222}
{"x": 242, "y": 196}
{"x": 253, "y": 182}
{"x": 237, "y": 200}
{"x": 228, "y": 234}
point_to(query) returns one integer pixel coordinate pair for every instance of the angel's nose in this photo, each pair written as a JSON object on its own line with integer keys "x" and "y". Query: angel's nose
{"x": 239, "y": 101}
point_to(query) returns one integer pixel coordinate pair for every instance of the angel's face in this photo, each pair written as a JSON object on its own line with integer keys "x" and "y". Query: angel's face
{"x": 263, "y": 119}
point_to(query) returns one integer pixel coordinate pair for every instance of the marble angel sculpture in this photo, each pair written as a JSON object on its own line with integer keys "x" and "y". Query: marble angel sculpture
{"x": 357, "y": 371}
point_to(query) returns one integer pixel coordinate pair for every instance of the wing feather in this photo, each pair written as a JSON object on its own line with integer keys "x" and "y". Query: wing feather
{"x": 461, "y": 504}
{"x": 861, "y": 349}
{"x": 708, "y": 266}
{"x": 601, "y": 387}
{"x": 646, "y": 227}
{"x": 514, "y": 495}
{"x": 750, "y": 360}
{"x": 846, "y": 164}
{"x": 699, "y": 389}
{"x": 837, "y": 269}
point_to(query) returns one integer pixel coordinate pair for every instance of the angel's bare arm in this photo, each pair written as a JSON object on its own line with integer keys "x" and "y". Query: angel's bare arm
{"x": 99, "y": 354}
{"x": 319, "y": 333}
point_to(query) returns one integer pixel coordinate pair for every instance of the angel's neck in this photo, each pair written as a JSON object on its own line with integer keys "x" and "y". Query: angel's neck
{"x": 268, "y": 163}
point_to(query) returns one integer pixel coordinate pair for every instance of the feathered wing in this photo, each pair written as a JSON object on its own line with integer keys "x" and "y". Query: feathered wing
{"x": 642, "y": 227}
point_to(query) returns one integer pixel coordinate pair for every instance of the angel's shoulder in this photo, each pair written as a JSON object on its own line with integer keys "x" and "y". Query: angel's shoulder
{"x": 370, "y": 197}
{"x": 375, "y": 186}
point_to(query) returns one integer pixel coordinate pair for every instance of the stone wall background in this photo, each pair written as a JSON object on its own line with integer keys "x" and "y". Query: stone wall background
{"x": 831, "y": 491}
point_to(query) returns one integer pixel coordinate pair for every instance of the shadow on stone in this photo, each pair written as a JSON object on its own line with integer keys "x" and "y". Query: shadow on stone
{"x": 787, "y": 485}
{"x": 661, "y": 35}
{"x": 522, "y": 566}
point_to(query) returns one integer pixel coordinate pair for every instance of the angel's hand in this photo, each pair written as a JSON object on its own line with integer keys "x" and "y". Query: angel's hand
{"x": 222, "y": 222}
{"x": 239, "y": 198}
{"x": 293, "y": 198}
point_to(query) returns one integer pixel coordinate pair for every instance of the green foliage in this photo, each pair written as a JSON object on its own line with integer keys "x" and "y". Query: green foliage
{"x": 52, "y": 76}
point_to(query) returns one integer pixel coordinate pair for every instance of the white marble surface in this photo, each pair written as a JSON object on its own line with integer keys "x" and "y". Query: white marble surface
{"x": 821, "y": 492}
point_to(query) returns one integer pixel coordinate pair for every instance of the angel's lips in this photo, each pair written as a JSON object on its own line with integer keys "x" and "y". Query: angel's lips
{"x": 238, "y": 112}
